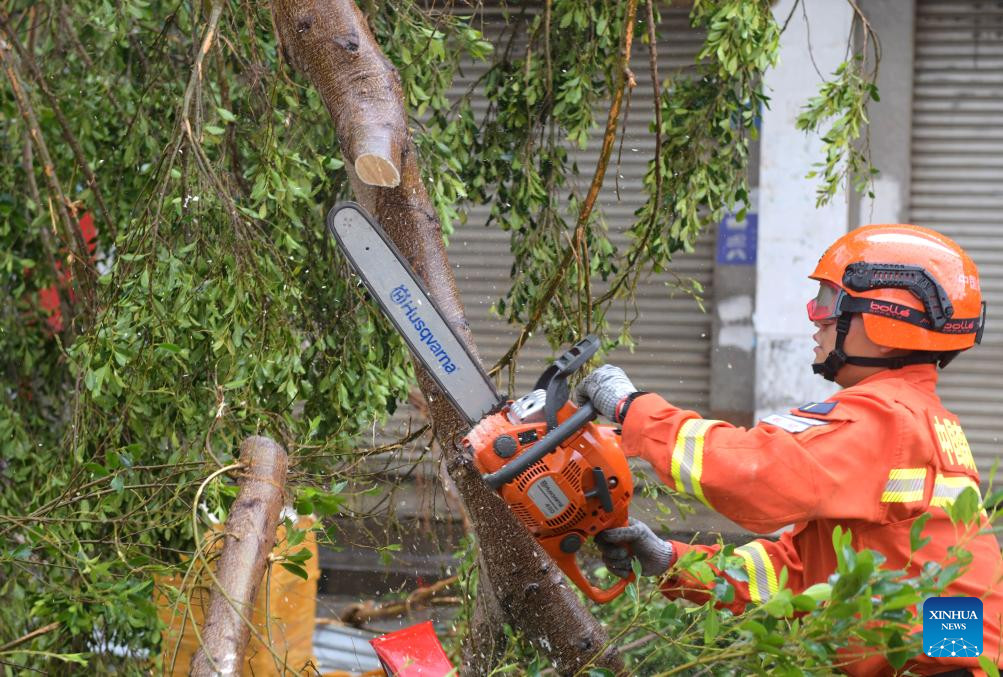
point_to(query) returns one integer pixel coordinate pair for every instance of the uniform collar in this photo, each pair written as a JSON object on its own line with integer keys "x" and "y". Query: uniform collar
{"x": 921, "y": 375}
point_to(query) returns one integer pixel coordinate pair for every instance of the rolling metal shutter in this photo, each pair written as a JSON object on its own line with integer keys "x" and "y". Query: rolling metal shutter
{"x": 957, "y": 186}
{"x": 672, "y": 333}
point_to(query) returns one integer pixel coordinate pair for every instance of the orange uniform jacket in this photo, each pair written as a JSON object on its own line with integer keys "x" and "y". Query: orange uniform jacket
{"x": 884, "y": 454}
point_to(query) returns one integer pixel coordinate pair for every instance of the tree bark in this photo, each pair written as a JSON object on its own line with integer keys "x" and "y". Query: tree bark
{"x": 249, "y": 538}
{"x": 330, "y": 42}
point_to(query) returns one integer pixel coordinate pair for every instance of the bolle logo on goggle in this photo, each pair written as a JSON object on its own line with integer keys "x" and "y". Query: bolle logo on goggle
{"x": 890, "y": 309}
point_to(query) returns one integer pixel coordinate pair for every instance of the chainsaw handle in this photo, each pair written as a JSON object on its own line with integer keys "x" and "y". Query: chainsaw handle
{"x": 550, "y": 441}
{"x": 554, "y": 379}
{"x": 568, "y": 562}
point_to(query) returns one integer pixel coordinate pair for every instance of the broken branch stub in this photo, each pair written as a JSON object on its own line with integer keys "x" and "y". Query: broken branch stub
{"x": 249, "y": 535}
{"x": 330, "y": 42}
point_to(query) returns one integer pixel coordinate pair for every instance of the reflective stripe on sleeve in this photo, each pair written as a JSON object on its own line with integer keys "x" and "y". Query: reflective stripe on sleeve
{"x": 904, "y": 485}
{"x": 947, "y": 489}
{"x": 763, "y": 582}
{"x": 687, "y": 457}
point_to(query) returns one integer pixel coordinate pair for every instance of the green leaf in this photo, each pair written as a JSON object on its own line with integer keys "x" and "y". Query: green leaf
{"x": 711, "y": 625}
{"x": 989, "y": 665}
{"x": 820, "y": 592}
{"x": 300, "y": 556}
{"x": 756, "y": 628}
{"x": 994, "y": 499}
{"x": 97, "y": 469}
{"x": 915, "y": 542}
{"x": 966, "y": 507}
{"x": 296, "y": 570}
{"x": 803, "y": 603}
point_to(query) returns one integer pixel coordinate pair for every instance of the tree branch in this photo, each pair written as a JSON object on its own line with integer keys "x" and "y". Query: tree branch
{"x": 363, "y": 612}
{"x": 37, "y": 632}
{"x": 249, "y": 538}
{"x": 624, "y": 78}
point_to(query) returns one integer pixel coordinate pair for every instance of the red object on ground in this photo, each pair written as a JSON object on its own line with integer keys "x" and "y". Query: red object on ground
{"x": 414, "y": 651}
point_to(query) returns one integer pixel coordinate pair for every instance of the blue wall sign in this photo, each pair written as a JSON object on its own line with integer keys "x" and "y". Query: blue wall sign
{"x": 736, "y": 240}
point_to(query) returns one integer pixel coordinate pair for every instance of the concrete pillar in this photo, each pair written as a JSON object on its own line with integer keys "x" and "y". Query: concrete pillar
{"x": 793, "y": 233}
{"x": 891, "y": 117}
{"x": 733, "y": 351}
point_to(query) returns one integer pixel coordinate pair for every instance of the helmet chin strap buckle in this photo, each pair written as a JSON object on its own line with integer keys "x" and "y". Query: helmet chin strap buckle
{"x": 834, "y": 361}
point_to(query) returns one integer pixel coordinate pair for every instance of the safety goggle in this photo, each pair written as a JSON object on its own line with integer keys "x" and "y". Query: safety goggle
{"x": 825, "y": 305}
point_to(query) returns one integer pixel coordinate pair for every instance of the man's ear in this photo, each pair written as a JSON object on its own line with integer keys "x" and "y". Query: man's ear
{"x": 892, "y": 352}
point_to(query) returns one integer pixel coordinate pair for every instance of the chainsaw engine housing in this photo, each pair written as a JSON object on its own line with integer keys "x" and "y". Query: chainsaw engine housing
{"x": 569, "y": 495}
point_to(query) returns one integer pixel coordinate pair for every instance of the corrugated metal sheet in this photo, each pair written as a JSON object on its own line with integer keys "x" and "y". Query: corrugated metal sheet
{"x": 957, "y": 185}
{"x": 342, "y": 648}
{"x": 672, "y": 333}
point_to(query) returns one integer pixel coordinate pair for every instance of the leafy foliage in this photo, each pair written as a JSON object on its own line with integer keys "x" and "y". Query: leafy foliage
{"x": 221, "y": 309}
{"x": 843, "y": 101}
{"x": 543, "y": 98}
{"x": 864, "y": 609}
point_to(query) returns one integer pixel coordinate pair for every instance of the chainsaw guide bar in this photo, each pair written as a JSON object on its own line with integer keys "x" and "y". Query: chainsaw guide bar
{"x": 404, "y": 299}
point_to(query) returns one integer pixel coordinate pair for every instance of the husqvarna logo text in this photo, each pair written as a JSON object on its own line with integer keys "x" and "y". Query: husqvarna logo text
{"x": 401, "y": 295}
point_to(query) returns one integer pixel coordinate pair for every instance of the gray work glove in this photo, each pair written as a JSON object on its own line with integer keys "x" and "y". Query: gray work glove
{"x": 636, "y": 541}
{"x": 605, "y": 388}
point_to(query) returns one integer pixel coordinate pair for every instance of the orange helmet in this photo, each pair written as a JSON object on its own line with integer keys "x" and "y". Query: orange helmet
{"x": 915, "y": 288}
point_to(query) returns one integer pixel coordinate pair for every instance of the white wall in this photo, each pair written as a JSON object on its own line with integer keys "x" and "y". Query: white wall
{"x": 793, "y": 233}
{"x": 891, "y": 117}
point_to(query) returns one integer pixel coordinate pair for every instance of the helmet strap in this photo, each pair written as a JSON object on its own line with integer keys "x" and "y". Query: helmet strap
{"x": 837, "y": 357}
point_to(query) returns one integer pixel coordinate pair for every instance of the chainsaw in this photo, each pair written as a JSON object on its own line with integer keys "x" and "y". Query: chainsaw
{"x": 563, "y": 476}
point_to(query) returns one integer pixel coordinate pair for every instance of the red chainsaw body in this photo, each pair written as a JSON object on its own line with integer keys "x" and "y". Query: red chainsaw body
{"x": 557, "y": 497}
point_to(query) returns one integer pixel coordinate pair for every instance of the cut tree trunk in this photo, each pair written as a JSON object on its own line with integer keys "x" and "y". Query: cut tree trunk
{"x": 249, "y": 537}
{"x": 330, "y": 43}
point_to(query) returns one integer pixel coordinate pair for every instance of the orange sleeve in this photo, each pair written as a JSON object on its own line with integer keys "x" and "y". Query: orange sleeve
{"x": 766, "y": 477}
{"x": 762, "y": 562}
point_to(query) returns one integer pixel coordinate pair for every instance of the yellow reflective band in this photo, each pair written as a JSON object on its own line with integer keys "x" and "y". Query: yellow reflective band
{"x": 947, "y": 489}
{"x": 904, "y": 485}
{"x": 687, "y": 457}
{"x": 763, "y": 583}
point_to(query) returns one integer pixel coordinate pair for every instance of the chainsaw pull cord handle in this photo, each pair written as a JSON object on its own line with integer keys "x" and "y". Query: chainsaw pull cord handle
{"x": 550, "y": 441}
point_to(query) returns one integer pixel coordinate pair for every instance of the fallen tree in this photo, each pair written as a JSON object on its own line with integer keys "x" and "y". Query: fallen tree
{"x": 330, "y": 42}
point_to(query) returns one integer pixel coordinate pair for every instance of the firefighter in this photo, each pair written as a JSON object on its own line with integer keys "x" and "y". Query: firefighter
{"x": 894, "y": 302}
